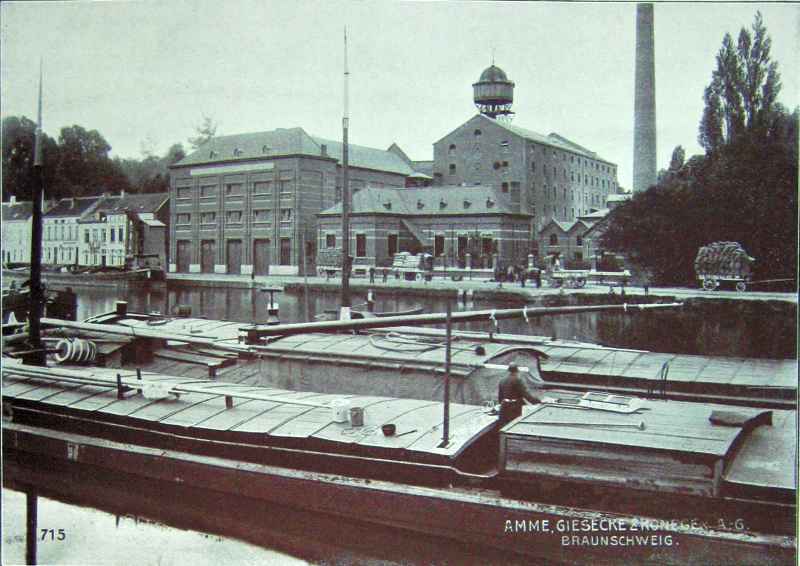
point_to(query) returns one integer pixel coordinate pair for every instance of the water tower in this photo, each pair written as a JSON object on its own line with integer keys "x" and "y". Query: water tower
{"x": 494, "y": 94}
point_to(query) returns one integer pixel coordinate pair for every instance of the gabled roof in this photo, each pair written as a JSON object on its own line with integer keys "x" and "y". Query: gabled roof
{"x": 73, "y": 206}
{"x": 553, "y": 140}
{"x": 566, "y": 226}
{"x": 291, "y": 141}
{"x": 426, "y": 201}
{"x": 17, "y": 211}
{"x": 367, "y": 157}
{"x": 423, "y": 167}
{"x": 146, "y": 202}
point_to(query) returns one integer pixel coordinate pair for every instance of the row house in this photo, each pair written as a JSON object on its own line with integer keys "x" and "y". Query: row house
{"x": 107, "y": 230}
{"x": 16, "y": 231}
{"x": 462, "y": 227}
{"x": 246, "y": 204}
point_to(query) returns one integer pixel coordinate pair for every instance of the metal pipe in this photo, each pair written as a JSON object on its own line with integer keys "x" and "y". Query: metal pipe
{"x": 31, "y": 533}
{"x": 37, "y": 293}
{"x": 439, "y": 318}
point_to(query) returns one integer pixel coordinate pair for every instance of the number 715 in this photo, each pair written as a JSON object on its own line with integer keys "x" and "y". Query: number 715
{"x": 53, "y": 534}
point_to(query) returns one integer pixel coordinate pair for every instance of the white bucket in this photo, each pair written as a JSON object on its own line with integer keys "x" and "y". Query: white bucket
{"x": 340, "y": 410}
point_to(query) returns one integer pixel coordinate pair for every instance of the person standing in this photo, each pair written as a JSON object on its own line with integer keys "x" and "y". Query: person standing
{"x": 514, "y": 390}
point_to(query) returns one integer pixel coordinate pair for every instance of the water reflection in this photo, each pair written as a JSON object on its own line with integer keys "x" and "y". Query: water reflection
{"x": 748, "y": 329}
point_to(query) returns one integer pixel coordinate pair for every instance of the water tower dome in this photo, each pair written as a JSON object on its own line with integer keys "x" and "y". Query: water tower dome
{"x": 494, "y": 93}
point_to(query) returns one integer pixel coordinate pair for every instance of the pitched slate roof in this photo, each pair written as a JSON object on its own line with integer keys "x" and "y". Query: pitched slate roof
{"x": 566, "y": 226}
{"x": 291, "y": 141}
{"x": 74, "y": 206}
{"x": 426, "y": 201}
{"x": 147, "y": 202}
{"x": 18, "y": 211}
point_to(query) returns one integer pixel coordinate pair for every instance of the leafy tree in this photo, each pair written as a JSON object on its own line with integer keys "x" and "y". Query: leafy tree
{"x": 744, "y": 88}
{"x": 85, "y": 166}
{"x": 206, "y": 130}
{"x": 18, "y": 134}
{"x": 743, "y": 189}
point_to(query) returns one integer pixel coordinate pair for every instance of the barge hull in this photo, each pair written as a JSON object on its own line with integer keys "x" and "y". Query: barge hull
{"x": 471, "y": 517}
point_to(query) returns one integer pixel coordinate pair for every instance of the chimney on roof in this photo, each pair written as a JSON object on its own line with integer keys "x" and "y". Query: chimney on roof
{"x": 13, "y": 200}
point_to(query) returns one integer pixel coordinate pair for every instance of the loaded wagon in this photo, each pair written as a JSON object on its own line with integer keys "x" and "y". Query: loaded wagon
{"x": 723, "y": 263}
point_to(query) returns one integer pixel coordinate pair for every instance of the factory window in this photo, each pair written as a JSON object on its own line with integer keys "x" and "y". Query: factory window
{"x": 184, "y": 192}
{"x": 112, "y": 234}
{"x": 438, "y": 245}
{"x": 451, "y": 151}
{"x": 119, "y": 231}
{"x": 579, "y": 240}
{"x": 86, "y": 236}
{"x": 504, "y": 187}
{"x": 338, "y": 196}
{"x": 505, "y": 163}
{"x": 233, "y": 190}
{"x": 285, "y": 187}
{"x": 183, "y": 218}
{"x": 533, "y": 166}
{"x": 286, "y": 215}
{"x": 478, "y": 132}
{"x": 496, "y": 165}
{"x": 452, "y": 169}
{"x": 233, "y": 217}
{"x": 330, "y": 240}
{"x": 207, "y": 191}
{"x": 504, "y": 145}
{"x": 208, "y": 218}
{"x": 361, "y": 245}
{"x": 553, "y": 240}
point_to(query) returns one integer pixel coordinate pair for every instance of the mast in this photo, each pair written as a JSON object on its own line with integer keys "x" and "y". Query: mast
{"x": 346, "y": 260}
{"x": 37, "y": 356}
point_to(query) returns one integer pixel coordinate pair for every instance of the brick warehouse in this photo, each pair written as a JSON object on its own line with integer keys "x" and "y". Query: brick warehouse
{"x": 244, "y": 204}
{"x": 447, "y": 222}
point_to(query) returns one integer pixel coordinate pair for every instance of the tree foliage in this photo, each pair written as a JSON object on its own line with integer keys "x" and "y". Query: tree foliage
{"x": 78, "y": 163}
{"x": 206, "y": 130}
{"x": 743, "y": 189}
{"x": 744, "y": 88}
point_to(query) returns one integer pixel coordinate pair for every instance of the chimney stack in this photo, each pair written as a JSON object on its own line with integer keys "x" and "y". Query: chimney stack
{"x": 644, "y": 114}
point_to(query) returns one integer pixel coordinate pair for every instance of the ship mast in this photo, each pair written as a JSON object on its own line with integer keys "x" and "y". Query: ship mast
{"x": 36, "y": 355}
{"x": 346, "y": 259}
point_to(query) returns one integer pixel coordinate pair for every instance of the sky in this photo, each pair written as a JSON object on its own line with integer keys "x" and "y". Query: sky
{"x": 144, "y": 73}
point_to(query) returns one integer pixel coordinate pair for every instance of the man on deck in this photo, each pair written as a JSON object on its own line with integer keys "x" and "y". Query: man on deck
{"x": 514, "y": 389}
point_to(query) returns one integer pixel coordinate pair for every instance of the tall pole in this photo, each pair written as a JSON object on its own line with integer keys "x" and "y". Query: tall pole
{"x": 644, "y": 117}
{"x": 446, "y": 418}
{"x": 37, "y": 357}
{"x": 346, "y": 265}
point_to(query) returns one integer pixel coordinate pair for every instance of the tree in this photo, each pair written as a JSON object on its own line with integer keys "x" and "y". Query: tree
{"x": 18, "y": 148}
{"x": 744, "y": 88}
{"x": 678, "y": 158}
{"x": 205, "y": 131}
{"x": 85, "y": 166}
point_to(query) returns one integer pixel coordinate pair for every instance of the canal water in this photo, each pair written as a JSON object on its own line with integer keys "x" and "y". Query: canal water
{"x": 757, "y": 329}
{"x": 724, "y": 328}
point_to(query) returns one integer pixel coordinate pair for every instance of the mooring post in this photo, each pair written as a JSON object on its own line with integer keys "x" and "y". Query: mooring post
{"x": 31, "y": 530}
{"x": 446, "y": 427}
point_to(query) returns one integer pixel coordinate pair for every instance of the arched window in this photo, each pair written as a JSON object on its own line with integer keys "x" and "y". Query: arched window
{"x": 451, "y": 150}
{"x": 478, "y": 132}
{"x": 553, "y": 240}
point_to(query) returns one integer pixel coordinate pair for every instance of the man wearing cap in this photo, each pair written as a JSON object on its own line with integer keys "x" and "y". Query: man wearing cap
{"x": 514, "y": 390}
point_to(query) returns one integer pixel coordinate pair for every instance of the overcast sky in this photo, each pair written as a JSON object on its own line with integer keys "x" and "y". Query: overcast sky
{"x": 144, "y": 73}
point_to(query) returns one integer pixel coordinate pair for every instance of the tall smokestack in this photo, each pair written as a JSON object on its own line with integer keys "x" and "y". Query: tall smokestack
{"x": 644, "y": 114}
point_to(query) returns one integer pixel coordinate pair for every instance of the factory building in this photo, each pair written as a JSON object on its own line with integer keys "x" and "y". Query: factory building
{"x": 554, "y": 178}
{"x": 246, "y": 204}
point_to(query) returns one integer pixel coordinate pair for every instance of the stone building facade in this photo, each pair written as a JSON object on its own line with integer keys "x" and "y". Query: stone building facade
{"x": 447, "y": 222}
{"x": 548, "y": 176}
{"x": 246, "y": 204}
{"x": 16, "y": 231}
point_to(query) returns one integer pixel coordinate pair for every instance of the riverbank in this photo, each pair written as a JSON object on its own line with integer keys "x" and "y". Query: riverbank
{"x": 142, "y": 277}
{"x": 476, "y": 289}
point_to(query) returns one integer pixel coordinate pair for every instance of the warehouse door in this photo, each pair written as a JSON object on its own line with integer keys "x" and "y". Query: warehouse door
{"x": 261, "y": 257}
{"x": 184, "y": 255}
{"x": 286, "y": 251}
{"x": 233, "y": 257}
{"x": 208, "y": 254}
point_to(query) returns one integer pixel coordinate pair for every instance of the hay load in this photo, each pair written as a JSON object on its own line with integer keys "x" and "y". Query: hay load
{"x": 722, "y": 261}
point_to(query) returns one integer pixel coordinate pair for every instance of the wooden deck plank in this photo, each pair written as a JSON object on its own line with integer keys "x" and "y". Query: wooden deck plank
{"x": 241, "y": 412}
{"x": 274, "y": 418}
{"x": 168, "y": 406}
